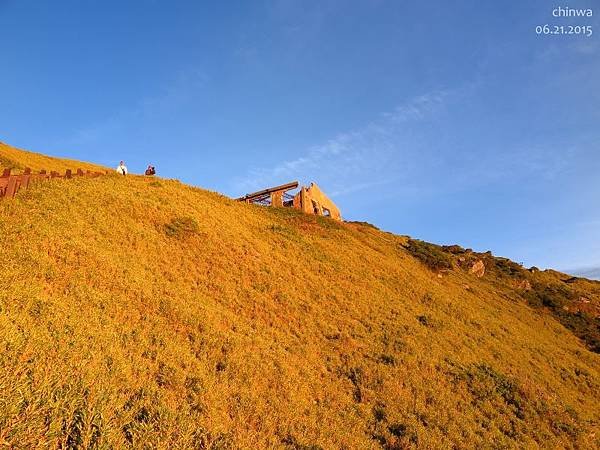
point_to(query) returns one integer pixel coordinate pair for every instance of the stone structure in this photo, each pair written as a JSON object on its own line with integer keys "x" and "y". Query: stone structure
{"x": 310, "y": 200}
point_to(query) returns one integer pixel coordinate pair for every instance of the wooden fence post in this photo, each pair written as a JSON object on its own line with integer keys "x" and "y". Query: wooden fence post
{"x": 11, "y": 184}
{"x": 25, "y": 180}
{"x": 12, "y": 187}
{"x": 4, "y": 179}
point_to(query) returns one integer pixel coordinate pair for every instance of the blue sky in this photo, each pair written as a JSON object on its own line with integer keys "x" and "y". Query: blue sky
{"x": 452, "y": 122}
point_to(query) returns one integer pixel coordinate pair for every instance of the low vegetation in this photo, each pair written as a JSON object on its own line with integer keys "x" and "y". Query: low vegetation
{"x": 137, "y": 315}
{"x": 561, "y": 300}
{"x": 559, "y": 294}
{"x": 182, "y": 227}
{"x": 433, "y": 256}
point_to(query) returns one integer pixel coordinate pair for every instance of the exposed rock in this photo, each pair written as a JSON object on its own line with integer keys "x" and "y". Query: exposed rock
{"x": 523, "y": 284}
{"x": 478, "y": 268}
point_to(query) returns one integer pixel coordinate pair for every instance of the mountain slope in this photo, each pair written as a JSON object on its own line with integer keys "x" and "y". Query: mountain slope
{"x": 146, "y": 313}
{"x": 18, "y": 159}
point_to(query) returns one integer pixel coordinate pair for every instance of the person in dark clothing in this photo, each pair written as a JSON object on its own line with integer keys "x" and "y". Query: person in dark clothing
{"x": 150, "y": 170}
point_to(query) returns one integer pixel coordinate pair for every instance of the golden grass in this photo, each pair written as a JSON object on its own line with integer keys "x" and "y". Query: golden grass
{"x": 17, "y": 159}
{"x": 143, "y": 313}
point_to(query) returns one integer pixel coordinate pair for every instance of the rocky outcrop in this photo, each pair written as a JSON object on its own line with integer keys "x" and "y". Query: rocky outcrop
{"x": 478, "y": 268}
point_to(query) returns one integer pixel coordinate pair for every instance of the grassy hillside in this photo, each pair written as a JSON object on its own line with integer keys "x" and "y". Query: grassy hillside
{"x": 144, "y": 313}
{"x": 17, "y": 159}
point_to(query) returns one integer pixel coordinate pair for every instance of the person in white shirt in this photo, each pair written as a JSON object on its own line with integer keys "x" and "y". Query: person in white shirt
{"x": 122, "y": 169}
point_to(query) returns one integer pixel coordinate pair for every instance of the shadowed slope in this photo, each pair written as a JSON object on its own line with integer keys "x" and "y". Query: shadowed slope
{"x": 148, "y": 313}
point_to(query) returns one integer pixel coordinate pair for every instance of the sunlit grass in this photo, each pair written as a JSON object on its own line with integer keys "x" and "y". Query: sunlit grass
{"x": 17, "y": 160}
{"x": 145, "y": 313}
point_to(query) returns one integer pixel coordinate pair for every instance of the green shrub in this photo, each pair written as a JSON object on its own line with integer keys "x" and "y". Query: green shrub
{"x": 555, "y": 297}
{"x": 507, "y": 267}
{"x": 181, "y": 227}
{"x": 387, "y": 359}
{"x": 356, "y": 376}
{"x": 428, "y": 321}
{"x": 485, "y": 383}
{"x": 397, "y": 429}
{"x": 429, "y": 254}
{"x": 582, "y": 325}
{"x": 454, "y": 249}
{"x": 379, "y": 412}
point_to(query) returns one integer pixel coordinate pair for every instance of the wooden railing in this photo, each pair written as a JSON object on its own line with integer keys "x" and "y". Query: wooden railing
{"x": 11, "y": 184}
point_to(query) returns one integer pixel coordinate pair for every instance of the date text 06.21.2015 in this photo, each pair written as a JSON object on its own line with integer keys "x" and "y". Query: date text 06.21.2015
{"x": 581, "y": 30}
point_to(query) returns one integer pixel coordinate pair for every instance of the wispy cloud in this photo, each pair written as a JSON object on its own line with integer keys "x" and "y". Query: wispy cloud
{"x": 359, "y": 159}
{"x": 592, "y": 273}
{"x": 415, "y": 151}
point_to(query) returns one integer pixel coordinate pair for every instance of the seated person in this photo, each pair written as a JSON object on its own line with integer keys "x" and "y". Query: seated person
{"x": 150, "y": 170}
{"x": 122, "y": 168}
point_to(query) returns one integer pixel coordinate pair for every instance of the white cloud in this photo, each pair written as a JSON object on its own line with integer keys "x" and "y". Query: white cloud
{"x": 587, "y": 272}
{"x": 355, "y": 160}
